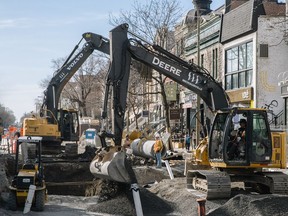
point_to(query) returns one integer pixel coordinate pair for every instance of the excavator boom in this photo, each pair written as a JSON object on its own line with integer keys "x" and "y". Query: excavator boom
{"x": 189, "y": 75}
{"x": 69, "y": 68}
{"x": 122, "y": 51}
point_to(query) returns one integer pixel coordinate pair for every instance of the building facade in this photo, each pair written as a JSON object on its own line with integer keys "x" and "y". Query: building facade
{"x": 254, "y": 54}
{"x": 243, "y": 45}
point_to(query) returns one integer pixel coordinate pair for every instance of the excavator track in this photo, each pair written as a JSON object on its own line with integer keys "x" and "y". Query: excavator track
{"x": 214, "y": 184}
{"x": 279, "y": 182}
{"x": 217, "y": 184}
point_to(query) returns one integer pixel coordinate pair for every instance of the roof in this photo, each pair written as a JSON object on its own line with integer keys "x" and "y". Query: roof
{"x": 241, "y": 18}
{"x": 274, "y": 8}
{"x": 232, "y": 4}
{"x": 238, "y": 21}
{"x": 190, "y": 17}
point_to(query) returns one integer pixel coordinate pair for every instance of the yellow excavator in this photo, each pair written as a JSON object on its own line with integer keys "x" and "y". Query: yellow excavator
{"x": 55, "y": 124}
{"x": 234, "y": 159}
{"x": 262, "y": 148}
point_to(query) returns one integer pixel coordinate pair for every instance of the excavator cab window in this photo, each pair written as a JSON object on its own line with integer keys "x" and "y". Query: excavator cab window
{"x": 236, "y": 139}
{"x": 261, "y": 149}
{"x": 69, "y": 122}
{"x": 217, "y": 136}
{"x": 228, "y": 137}
{"x": 241, "y": 137}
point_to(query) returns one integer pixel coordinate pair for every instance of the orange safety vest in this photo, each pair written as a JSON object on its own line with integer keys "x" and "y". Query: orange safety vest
{"x": 158, "y": 146}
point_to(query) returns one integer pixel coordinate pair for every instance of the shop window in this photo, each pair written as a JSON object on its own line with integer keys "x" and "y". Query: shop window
{"x": 239, "y": 66}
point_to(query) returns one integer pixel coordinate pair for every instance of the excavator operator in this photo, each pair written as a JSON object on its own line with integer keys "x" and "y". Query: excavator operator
{"x": 237, "y": 144}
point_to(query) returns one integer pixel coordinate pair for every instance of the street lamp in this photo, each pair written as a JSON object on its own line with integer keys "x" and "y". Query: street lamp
{"x": 198, "y": 62}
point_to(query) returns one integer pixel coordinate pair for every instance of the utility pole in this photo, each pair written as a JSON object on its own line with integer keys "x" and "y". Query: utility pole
{"x": 198, "y": 62}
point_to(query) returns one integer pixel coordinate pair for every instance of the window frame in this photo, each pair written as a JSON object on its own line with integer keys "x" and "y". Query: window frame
{"x": 239, "y": 69}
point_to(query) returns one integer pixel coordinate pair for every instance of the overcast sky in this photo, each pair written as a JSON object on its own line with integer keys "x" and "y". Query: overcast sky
{"x": 33, "y": 32}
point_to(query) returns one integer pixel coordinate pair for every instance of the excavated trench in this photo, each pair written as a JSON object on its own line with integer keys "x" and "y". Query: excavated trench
{"x": 71, "y": 176}
{"x": 64, "y": 175}
{"x": 67, "y": 178}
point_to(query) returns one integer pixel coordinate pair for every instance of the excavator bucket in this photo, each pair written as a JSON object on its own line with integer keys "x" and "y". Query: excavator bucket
{"x": 114, "y": 166}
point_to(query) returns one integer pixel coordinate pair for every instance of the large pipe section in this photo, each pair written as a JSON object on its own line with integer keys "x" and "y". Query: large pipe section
{"x": 144, "y": 148}
{"x": 114, "y": 166}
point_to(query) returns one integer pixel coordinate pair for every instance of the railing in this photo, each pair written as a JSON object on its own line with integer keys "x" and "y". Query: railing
{"x": 275, "y": 120}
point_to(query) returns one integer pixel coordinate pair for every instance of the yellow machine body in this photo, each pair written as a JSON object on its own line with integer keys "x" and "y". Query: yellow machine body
{"x": 40, "y": 127}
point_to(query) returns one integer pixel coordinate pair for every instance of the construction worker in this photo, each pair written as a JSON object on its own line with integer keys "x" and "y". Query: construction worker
{"x": 158, "y": 147}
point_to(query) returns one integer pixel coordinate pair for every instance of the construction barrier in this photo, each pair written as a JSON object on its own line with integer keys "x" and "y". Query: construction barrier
{"x": 14, "y": 143}
{"x": 5, "y": 146}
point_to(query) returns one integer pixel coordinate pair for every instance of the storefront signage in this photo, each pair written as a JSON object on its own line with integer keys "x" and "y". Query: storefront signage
{"x": 174, "y": 114}
{"x": 284, "y": 90}
{"x": 241, "y": 95}
{"x": 171, "y": 91}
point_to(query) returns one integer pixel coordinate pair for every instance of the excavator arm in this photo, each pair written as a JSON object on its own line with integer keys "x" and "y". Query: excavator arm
{"x": 191, "y": 76}
{"x": 122, "y": 51}
{"x": 69, "y": 68}
{"x": 188, "y": 75}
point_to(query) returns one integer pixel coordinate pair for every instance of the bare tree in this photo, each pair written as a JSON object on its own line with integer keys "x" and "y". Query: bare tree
{"x": 153, "y": 21}
{"x": 56, "y": 64}
{"x": 86, "y": 89}
{"x": 146, "y": 19}
{"x": 7, "y": 116}
{"x": 136, "y": 92}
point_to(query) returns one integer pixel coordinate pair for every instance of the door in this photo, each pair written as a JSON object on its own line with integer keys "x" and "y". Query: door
{"x": 69, "y": 123}
{"x": 237, "y": 138}
{"x": 261, "y": 148}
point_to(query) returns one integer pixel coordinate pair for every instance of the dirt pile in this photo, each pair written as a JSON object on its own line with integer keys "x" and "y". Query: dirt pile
{"x": 123, "y": 205}
{"x": 170, "y": 197}
{"x": 247, "y": 205}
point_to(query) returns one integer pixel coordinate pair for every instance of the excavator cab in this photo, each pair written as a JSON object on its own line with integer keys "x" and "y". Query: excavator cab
{"x": 240, "y": 137}
{"x": 242, "y": 148}
{"x": 68, "y": 124}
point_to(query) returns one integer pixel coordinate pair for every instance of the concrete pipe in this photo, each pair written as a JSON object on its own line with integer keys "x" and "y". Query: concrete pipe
{"x": 144, "y": 148}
